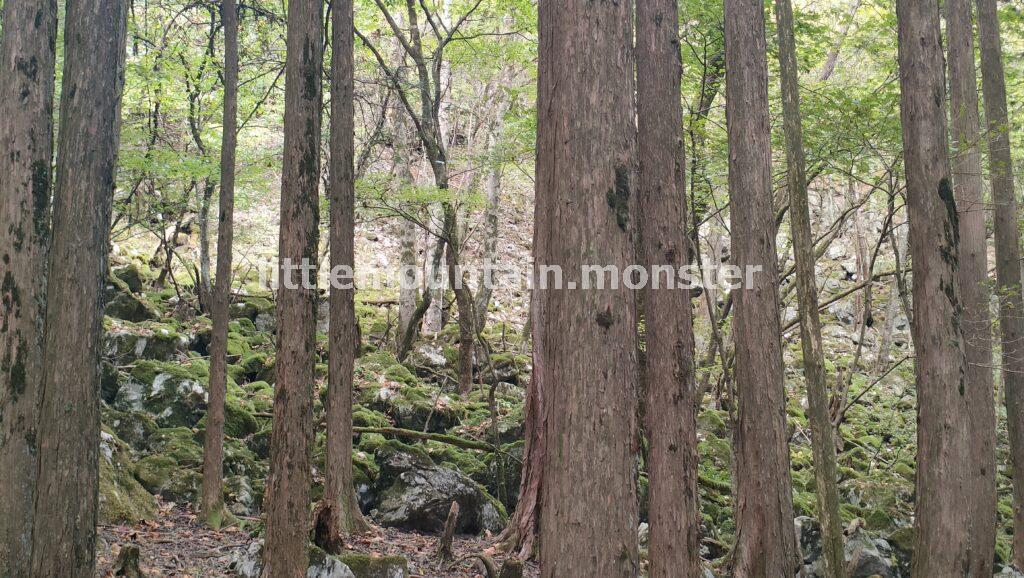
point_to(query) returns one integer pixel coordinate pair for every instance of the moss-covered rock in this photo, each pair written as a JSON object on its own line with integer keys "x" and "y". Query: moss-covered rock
{"x": 173, "y": 393}
{"x": 366, "y": 566}
{"x": 251, "y": 307}
{"x": 134, "y": 427}
{"x": 121, "y": 497}
{"x": 416, "y": 494}
{"x": 415, "y": 408}
{"x": 122, "y": 303}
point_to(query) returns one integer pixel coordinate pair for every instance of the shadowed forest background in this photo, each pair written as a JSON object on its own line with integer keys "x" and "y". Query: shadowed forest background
{"x": 165, "y": 410}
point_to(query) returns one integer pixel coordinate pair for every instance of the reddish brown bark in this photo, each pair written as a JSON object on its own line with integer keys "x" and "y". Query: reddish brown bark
{"x": 584, "y": 216}
{"x": 287, "y": 509}
{"x": 977, "y": 322}
{"x": 765, "y": 543}
{"x": 27, "y": 56}
{"x": 69, "y": 417}
{"x": 942, "y": 513}
{"x": 339, "y": 493}
{"x": 674, "y": 511}
{"x": 1007, "y": 244}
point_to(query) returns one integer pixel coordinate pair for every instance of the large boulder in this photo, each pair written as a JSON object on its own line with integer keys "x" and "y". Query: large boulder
{"x": 866, "y": 557}
{"x": 414, "y": 493}
{"x": 172, "y": 393}
{"x": 124, "y": 344}
{"x": 413, "y": 407}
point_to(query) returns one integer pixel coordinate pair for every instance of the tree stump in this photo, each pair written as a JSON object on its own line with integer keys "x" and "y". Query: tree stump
{"x": 444, "y": 543}
{"x": 127, "y": 563}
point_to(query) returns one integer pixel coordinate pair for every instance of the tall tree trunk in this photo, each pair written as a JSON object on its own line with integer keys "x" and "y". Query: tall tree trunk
{"x": 670, "y": 413}
{"x": 765, "y": 543}
{"x": 27, "y": 66}
{"x": 69, "y": 417}
{"x": 432, "y": 321}
{"x": 213, "y": 439}
{"x": 339, "y": 492}
{"x": 822, "y": 442}
{"x": 584, "y": 215}
{"x": 977, "y": 328}
{"x": 942, "y": 513}
{"x": 1007, "y": 241}
{"x": 288, "y": 486}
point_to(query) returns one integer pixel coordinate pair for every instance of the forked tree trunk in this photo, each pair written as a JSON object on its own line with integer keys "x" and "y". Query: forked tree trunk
{"x": 339, "y": 493}
{"x": 671, "y": 420}
{"x": 26, "y": 150}
{"x": 287, "y": 500}
{"x": 765, "y": 542}
{"x": 213, "y": 439}
{"x": 69, "y": 417}
{"x": 967, "y": 189}
{"x": 942, "y": 513}
{"x": 1007, "y": 242}
{"x": 822, "y": 441}
{"x": 584, "y": 216}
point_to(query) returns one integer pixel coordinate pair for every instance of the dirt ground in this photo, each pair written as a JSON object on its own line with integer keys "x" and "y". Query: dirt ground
{"x": 176, "y": 544}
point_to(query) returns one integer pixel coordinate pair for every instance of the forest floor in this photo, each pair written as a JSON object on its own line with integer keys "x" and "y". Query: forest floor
{"x": 177, "y": 544}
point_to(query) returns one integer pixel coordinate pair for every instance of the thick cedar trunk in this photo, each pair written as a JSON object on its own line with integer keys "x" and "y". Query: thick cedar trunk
{"x": 1007, "y": 242}
{"x": 26, "y": 148}
{"x": 69, "y": 417}
{"x": 942, "y": 513}
{"x": 670, "y": 414}
{"x": 288, "y": 487}
{"x": 765, "y": 543}
{"x": 585, "y": 178}
{"x": 339, "y": 493}
{"x": 967, "y": 187}
{"x": 822, "y": 442}
{"x": 213, "y": 439}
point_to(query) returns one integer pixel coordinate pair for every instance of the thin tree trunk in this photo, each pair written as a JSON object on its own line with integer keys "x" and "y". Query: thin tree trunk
{"x": 490, "y": 240}
{"x": 26, "y": 150}
{"x": 463, "y": 300}
{"x": 213, "y": 439}
{"x": 584, "y": 215}
{"x": 288, "y": 513}
{"x": 205, "y": 288}
{"x": 977, "y": 322}
{"x": 822, "y": 441}
{"x": 339, "y": 491}
{"x": 942, "y": 514}
{"x": 670, "y": 413}
{"x": 69, "y": 417}
{"x": 408, "y": 291}
{"x": 433, "y": 322}
{"x": 765, "y": 542}
{"x": 1007, "y": 242}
